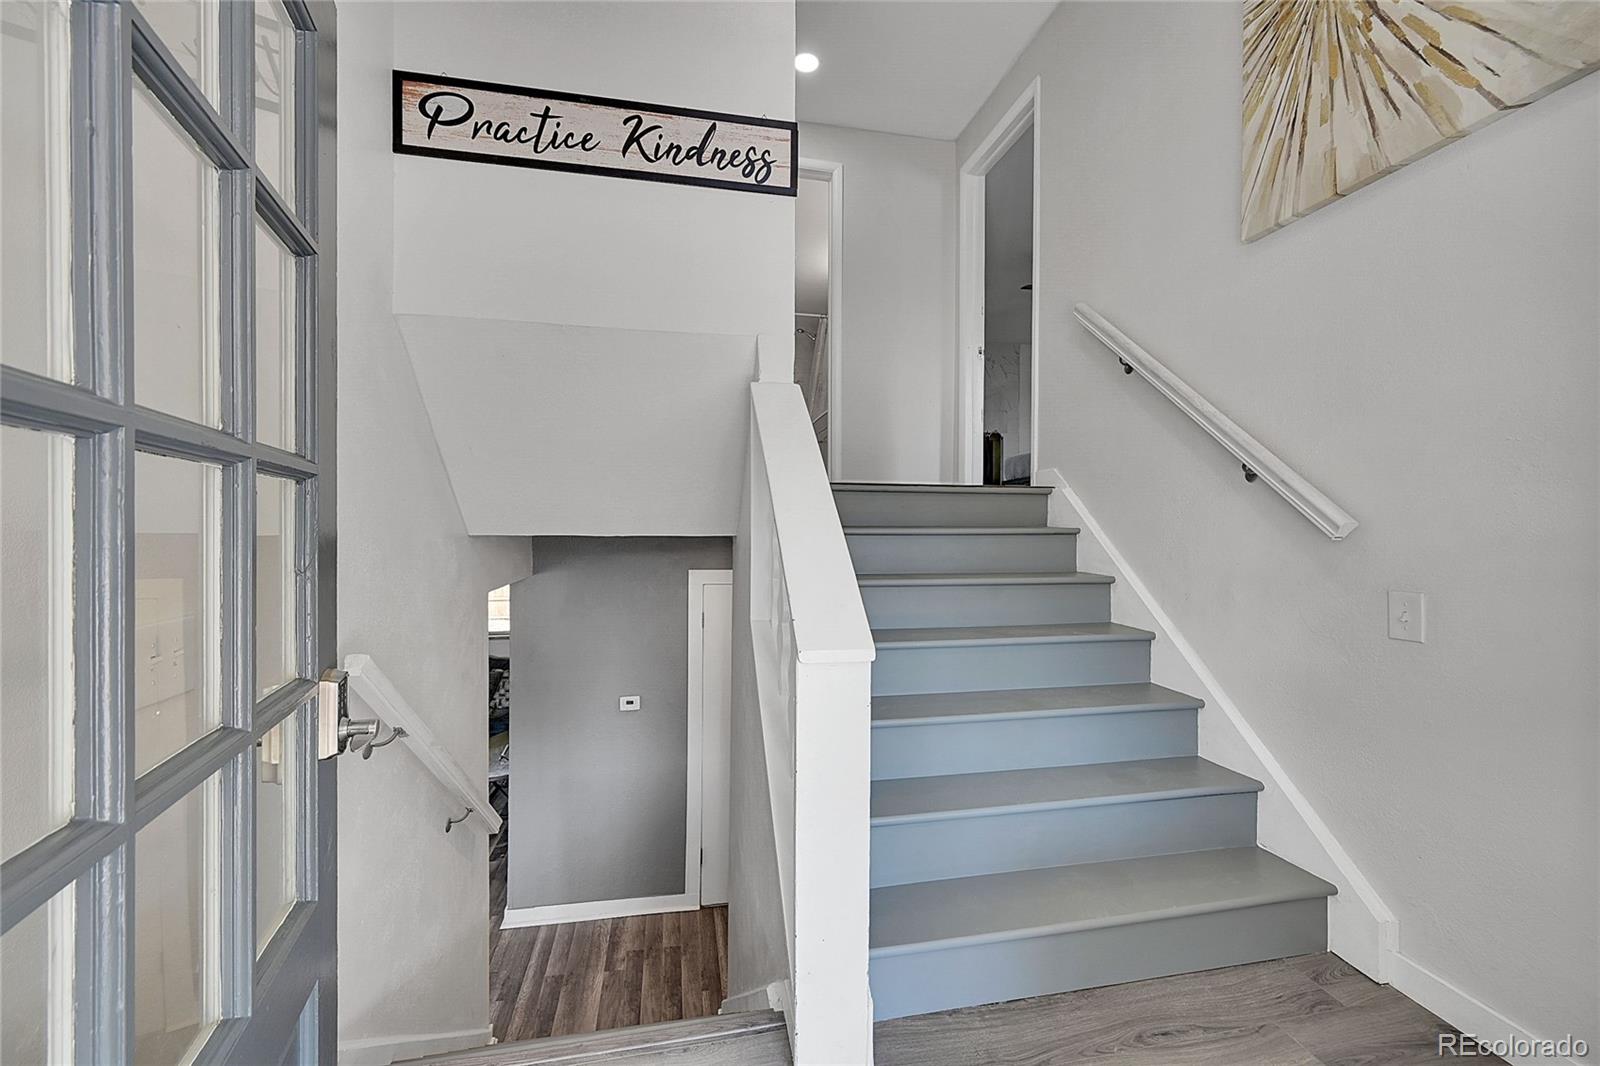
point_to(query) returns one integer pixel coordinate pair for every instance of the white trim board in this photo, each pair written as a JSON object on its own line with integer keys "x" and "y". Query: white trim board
{"x": 695, "y": 836}
{"x": 774, "y": 996}
{"x": 1361, "y": 928}
{"x": 1022, "y": 117}
{"x": 1472, "y": 1016}
{"x": 382, "y": 1050}
{"x": 559, "y": 913}
{"x": 833, "y": 174}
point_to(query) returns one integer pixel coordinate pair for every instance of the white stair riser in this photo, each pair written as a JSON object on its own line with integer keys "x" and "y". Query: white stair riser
{"x": 969, "y": 747}
{"x": 976, "y": 668}
{"x": 920, "y": 606}
{"x": 904, "y": 853}
{"x": 955, "y": 553}
{"x": 858, "y": 508}
{"x": 918, "y": 982}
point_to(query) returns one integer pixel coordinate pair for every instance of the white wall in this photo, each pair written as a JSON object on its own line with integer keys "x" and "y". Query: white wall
{"x": 651, "y": 294}
{"x": 590, "y": 432}
{"x": 545, "y": 246}
{"x": 1425, "y": 351}
{"x": 413, "y": 940}
{"x": 894, "y": 408}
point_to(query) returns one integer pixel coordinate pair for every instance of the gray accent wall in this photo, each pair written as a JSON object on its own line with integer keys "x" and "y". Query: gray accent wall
{"x": 598, "y": 794}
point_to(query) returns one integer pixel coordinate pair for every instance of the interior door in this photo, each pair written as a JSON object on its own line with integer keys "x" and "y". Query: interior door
{"x": 166, "y": 372}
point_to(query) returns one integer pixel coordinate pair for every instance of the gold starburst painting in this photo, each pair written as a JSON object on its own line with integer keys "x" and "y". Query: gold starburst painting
{"x": 1340, "y": 92}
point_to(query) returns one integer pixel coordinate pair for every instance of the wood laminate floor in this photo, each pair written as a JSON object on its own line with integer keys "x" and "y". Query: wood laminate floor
{"x": 580, "y": 977}
{"x": 1314, "y": 1010}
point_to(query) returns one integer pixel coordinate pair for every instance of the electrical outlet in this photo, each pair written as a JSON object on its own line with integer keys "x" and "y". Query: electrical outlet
{"x": 627, "y": 703}
{"x": 1406, "y": 616}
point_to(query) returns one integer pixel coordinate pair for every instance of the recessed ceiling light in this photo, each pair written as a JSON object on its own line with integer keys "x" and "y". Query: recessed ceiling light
{"x": 805, "y": 62}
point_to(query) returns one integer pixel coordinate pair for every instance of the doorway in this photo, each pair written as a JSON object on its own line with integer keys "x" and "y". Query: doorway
{"x": 999, "y": 321}
{"x": 608, "y": 901}
{"x": 819, "y": 221}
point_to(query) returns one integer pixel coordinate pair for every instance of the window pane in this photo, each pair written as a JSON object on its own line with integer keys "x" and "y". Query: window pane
{"x": 276, "y": 661}
{"x": 36, "y": 973}
{"x": 275, "y": 96}
{"x": 500, "y": 610}
{"x": 191, "y": 30}
{"x": 35, "y": 189}
{"x": 175, "y": 267}
{"x": 178, "y": 610}
{"x": 278, "y": 786}
{"x": 177, "y": 929}
{"x": 36, "y": 661}
{"x": 275, "y": 341}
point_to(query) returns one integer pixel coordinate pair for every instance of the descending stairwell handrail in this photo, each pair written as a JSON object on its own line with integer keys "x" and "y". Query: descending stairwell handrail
{"x": 374, "y": 688}
{"x": 1258, "y": 461}
{"x": 813, "y": 652}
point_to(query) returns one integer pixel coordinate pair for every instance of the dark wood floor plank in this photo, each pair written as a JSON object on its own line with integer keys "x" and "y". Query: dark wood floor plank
{"x": 1387, "y": 1030}
{"x": 524, "y": 1007}
{"x": 689, "y": 991}
{"x": 660, "y": 998}
{"x": 544, "y": 1018}
{"x": 721, "y": 918}
{"x": 711, "y": 982}
{"x": 619, "y": 997}
{"x": 1340, "y": 979}
{"x": 1233, "y": 1012}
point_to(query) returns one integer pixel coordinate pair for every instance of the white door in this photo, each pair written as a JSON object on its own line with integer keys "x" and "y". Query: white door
{"x": 715, "y": 668}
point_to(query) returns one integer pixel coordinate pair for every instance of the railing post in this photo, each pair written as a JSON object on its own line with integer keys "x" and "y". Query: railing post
{"x": 832, "y": 1003}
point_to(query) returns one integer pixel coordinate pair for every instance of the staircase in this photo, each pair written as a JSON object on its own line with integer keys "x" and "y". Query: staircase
{"x": 1040, "y": 818}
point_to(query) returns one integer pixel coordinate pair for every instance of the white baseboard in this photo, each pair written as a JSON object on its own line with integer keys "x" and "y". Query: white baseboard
{"x": 382, "y": 1050}
{"x": 1361, "y": 928}
{"x": 1471, "y": 1016}
{"x": 555, "y": 914}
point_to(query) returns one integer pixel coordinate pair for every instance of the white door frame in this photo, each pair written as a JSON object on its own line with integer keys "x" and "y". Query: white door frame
{"x": 1021, "y": 117}
{"x": 833, "y": 174}
{"x": 694, "y": 857}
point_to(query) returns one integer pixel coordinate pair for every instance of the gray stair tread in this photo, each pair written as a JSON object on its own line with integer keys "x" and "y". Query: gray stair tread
{"x": 916, "y": 799}
{"x": 1065, "y": 899}
{"x": 963, "y": 531}
{"x": 903, "y": 486}
{"x": 1060, "y": 577}
{"x": 1027, "y": 703}
{"x": 603, "y": 1045}
{"x": 962, "y": 636}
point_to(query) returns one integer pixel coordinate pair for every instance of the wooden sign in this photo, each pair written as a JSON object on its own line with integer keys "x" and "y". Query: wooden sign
{"x": 485, "y": 122}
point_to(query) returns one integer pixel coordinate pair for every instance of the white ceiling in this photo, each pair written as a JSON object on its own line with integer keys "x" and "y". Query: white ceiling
{"x": 917, "y": 67}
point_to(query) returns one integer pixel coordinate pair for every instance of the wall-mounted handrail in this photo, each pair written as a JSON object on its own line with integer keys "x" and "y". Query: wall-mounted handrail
{"x": 1257, "y": 459}
{"x": 385, "y": 701}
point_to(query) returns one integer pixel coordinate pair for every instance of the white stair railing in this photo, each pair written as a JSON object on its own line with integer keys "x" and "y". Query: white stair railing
{"x": 1258, "y": 461}
{"x": 467, "y": 793}
{"x": 813, "y": 656}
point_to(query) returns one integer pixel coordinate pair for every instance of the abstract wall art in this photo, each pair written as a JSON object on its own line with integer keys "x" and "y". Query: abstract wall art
{"x": 1338, "y": 93}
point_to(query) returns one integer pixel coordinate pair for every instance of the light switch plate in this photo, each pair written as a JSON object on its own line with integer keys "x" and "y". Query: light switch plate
{"x": 1406, "y": 616}
{"x": 627, "y": 703}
